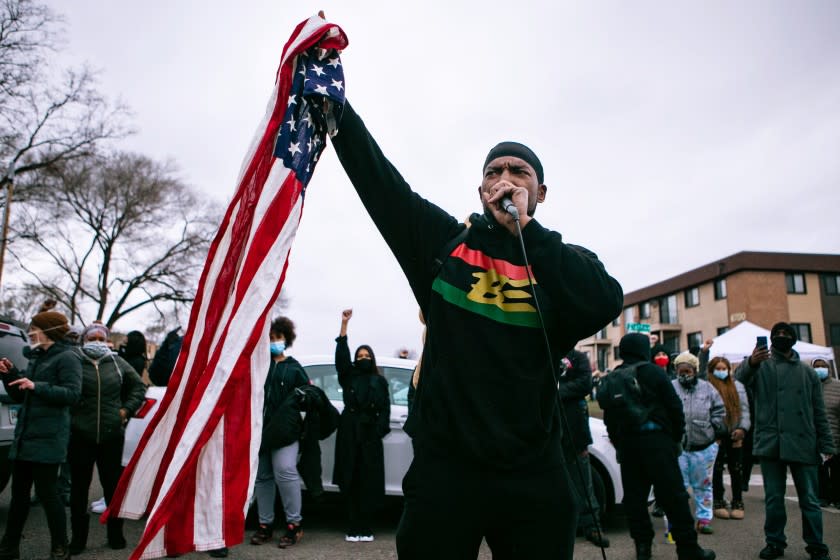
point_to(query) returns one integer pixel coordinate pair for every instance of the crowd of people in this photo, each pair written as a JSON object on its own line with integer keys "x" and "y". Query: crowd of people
{"x": 682, "y": 421}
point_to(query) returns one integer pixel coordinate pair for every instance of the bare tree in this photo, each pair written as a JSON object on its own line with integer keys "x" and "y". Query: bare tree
{"x": 46, "y": 115}
{"x": 108, "y": 235}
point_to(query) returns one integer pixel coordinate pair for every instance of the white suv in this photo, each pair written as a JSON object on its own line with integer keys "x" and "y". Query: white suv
{"x": 397, "y": 445}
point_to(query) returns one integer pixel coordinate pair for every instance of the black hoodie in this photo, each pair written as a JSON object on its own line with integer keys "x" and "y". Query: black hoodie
{"x": 487, "y": 395}
{"x": 657, "y": 392}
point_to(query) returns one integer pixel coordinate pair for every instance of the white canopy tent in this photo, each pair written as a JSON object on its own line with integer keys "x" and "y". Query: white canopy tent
{"x": 739, "y": 342}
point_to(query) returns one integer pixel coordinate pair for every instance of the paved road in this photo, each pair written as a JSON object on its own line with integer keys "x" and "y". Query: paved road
{"x": 324, "y": 536}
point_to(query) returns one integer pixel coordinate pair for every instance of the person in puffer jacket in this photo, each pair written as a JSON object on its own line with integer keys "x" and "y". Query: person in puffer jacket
{"x": 111, "y": 392}
{"x": 704, "y": 423}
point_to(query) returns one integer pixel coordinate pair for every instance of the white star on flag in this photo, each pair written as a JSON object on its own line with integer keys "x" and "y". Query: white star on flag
{"x": 337, "y": 85}
{"x": 294, "y": 148}
{"x": 291, "y": 123}
{"x": 317, "y": 69}
{"x": 334, "y": 62}
{"x": 321, "y": 89}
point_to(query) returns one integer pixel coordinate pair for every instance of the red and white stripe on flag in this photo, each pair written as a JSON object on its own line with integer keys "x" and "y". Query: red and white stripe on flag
{"x": 195, "y": 466}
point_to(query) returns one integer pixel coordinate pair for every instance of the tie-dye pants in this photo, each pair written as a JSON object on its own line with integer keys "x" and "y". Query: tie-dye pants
{"x": 697, "y": 468}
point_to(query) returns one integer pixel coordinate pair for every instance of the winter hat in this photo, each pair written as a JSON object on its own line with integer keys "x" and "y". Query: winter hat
{"x": 515, "y": 149}
{"x": 95, "y": 328}
{"x": 781, "y": 326}
{"x": 657, "y": 349}
{"x": 54, "y": 324}
{"x": 687, "y": 358}
{"x": 634, "y": 346}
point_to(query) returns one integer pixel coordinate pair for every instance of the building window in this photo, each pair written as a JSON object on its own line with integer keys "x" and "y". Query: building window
{"x": 803, "y": 331}
{"x": 834, "y": 331}
{"x": 602, "y": 334}
{"x": 720, "y": 289}
{"x": 629, "y": 316}
{"x": 722, "y": 330}
{"x": 831, "y": 284}
{"x": 671, "y": 342}
{"x": 644, "y": 310}
{"x": 668, "y": 310}
{"x": 603, "y": 355}
{"x": 795, "y": 283}
{"x": 695, "y": 339}
{"x": 617, "y": 352}
{"x": 692, "y": 297}
{"x": 616, "y": 322}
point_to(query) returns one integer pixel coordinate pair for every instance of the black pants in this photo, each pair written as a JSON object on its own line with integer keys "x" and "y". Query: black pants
{"x": 83, "y": 454}
{"x": 650, "y": 459}
{"x": 450, "y": 507}
{"x": 44, "y": 476}
{"x": 732, "y": 459}
{"x": 830, "y": 480}
{"x": 359, "y": 510}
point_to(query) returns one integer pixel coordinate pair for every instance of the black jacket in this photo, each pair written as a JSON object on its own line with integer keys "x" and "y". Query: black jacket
{"x": 477, "y": 401}
{"x": 364, "y": 421}
{"x": 575, "y": 385}
{"x": 108, "y": 385}
{"x": 42, "y": 432}
{"x": 165, "y": 358}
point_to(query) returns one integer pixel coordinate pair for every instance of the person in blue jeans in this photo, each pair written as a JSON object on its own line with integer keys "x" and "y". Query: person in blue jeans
{"x": 791, "y": 432}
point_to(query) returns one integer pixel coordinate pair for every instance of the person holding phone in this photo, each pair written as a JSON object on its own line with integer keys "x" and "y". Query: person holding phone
{"x": 791, "y": 433}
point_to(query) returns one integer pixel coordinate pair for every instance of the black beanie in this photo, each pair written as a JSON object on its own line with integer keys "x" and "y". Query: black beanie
{"x": 781, "y": 326}
{"x": 515, "y": 149}
{"x": 635, "y": 347}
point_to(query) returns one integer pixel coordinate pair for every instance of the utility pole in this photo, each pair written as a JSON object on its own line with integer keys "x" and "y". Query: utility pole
{"x": 9, "y": 182}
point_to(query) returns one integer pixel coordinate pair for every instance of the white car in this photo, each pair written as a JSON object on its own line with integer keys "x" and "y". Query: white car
{"x": 397, "y": 445}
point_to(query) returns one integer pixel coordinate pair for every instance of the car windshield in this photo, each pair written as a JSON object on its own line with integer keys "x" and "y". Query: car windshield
{"x": 326, "y": 377}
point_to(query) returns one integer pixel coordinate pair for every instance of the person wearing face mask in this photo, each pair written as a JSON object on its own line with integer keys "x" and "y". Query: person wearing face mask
{"x": 830, "y": 470}
{"x": 111, "y": 391}
{"x": 791, "y": 432}
{"x": 279, "y": 466}
{"x": 659, "y": 356}
{"x": 47, "y": 390}
{"x": 359, "y": 468}
{"x": 704, "y": 424}
{"x": 737, "y": 421}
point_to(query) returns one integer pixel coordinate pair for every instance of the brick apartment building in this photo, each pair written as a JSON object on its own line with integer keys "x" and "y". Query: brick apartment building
{"x": 763, "y": 288}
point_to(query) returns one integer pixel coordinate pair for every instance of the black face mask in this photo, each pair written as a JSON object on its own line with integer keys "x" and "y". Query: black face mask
{"x": 782, "y": 343}
{"x": 687, "y": 381}
{"x": 365, "y": 365}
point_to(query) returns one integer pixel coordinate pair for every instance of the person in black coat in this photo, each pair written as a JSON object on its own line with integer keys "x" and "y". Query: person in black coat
{"x": 359, "y": 457}
{"x": 49, "y": 387}
{"x": 134, "y": 352}
{"x": 575, "y": 384}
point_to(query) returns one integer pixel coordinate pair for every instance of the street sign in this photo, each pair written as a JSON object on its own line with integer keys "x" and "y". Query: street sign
{"x": 642, "y": 328}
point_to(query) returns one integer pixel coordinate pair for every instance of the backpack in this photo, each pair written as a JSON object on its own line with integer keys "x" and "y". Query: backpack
{"x": 621, "y": 391}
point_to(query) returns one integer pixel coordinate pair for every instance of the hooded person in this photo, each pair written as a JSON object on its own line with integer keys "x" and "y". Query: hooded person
{"x": 648, "y": 454}
{"x": 661, "y": 356}
{"x": 47, "y": 389}
{"x": 359, "y": 468}
{"x": 792, "y": 433}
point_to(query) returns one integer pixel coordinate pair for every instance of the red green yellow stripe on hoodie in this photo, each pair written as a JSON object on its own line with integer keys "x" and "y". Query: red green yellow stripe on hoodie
{"x": 493, "y": 288}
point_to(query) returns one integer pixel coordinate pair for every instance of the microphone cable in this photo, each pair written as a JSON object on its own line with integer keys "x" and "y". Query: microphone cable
{"x": 564, "y": 423}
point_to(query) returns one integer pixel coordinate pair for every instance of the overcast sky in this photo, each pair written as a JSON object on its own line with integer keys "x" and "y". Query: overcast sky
{"x": 671, "y": 133}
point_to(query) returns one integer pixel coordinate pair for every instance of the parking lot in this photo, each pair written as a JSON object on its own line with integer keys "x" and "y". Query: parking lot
{"x": 324, "y": 537}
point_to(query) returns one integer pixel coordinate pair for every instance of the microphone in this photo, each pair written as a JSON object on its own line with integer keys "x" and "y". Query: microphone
{"x": 507, "y": 205}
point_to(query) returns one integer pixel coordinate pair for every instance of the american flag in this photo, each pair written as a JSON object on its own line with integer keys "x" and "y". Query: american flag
{"x": 195, "y": 466}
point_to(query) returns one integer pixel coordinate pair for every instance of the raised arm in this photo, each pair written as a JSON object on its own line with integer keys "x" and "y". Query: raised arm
{"x": 343, "y": 364}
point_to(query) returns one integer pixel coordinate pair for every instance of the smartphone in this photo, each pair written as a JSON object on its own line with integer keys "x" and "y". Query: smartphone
{"x": 761, "y": 341}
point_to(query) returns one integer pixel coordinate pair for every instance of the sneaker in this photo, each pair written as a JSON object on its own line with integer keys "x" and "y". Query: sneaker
{"x": 351, "y": 537}
{"x": 99, "y": 506}
{"x": 366, "y": 536}
{"x": 721, "y": 510}
{"x": 737, "y": 510}
{"x": 770, "y": 552}
{"x": 596, "y": 537}
{"x": 262, "y": 536}
{"x": 704, "y": 528}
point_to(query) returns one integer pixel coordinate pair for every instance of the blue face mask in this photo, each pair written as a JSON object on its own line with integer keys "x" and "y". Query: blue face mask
{"x": 95, "y": 349}
{"x": 721, "y": 373}
{"x": 277, "y": 347}
{"x": 822, "y": 372}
